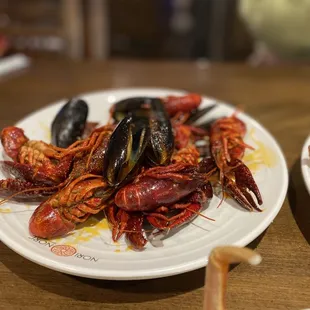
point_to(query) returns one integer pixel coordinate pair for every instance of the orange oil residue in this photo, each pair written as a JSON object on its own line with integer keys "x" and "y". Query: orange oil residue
{"x": 7, "y": 210}
{"x": 128, "y": 249}
{"x": 46, "y": 130}
{"x": 262, "y": 155}
{"x": 86, "y": 231}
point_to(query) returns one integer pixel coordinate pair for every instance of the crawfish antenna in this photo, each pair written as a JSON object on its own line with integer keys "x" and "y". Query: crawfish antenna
{"x": 50, "y": 188}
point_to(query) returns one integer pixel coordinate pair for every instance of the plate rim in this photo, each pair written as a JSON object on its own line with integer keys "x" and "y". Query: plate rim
{"x": 304, "y": 168}
{"x": 153, "y": 273}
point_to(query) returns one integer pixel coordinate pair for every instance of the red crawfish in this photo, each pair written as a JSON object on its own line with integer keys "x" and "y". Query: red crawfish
{"x": 227, "y": 149}
{"x": 59, "y": 215}
{"x": 34, "y": 163}
{"x": 166, "y": 197}
{"x": 185, "y": 103}
{"x": 41, "y": 168}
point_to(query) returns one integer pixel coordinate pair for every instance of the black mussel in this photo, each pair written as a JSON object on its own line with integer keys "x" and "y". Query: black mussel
{"x": 136, "y": 106}
{"x": 198, "y": 113}
{"x": 161, "y": 145}
{"x": 125, "y": 149}
{"x": 69, "y": 123}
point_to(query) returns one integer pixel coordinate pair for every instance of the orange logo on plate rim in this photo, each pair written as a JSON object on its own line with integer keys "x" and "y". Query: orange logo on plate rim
{"x": 63, "y": 250}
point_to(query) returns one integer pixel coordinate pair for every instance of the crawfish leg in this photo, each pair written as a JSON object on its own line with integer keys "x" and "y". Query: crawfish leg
{"x": 189, "y": 209}
{"x": 134, "y": 233}
{"x": 193, "y": 207}
{"x": 167, "y": 172}
{"x": 187, "y": 212}
{"x": 111, "y": 217}
{"x": 158, "y": 220}
{"x": 122, "y": 218}
{"x": 89, "y": 127}
{"x": 118, "y": 218}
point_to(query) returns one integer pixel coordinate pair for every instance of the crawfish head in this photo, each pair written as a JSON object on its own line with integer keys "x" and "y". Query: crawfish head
{"x": 226, "y": 140}
{"x": 69, "y": 123}
{"x": 94, "y": 165}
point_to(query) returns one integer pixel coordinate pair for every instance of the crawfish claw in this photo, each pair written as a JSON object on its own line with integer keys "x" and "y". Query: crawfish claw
{"x": 135, "y": 234}
{"x": 118, "y": 218}
{"x": 245, "y": 181}
{"x": 241, "y": 188}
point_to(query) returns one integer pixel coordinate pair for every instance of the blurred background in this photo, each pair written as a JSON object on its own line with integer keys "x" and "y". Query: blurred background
{"x": 255, "y": 31}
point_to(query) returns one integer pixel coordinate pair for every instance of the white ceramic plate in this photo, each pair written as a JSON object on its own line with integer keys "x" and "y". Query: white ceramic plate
{"x": 305, "y": 163}
{"x": 89, "y": 252}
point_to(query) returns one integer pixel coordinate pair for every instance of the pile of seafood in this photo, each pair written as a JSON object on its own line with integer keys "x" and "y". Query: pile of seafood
{"x": 148, "y": 166}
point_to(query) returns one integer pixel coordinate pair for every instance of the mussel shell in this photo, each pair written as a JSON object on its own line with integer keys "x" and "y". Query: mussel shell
{"x": 125, "y": 149}
{"x": 136, "y": 106}
{"x": 69, "y": 123}
{"x": 162, "y": 140}
{"x": 198, "y": 113}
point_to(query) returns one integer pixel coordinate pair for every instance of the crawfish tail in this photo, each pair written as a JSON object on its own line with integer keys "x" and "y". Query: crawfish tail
{"x": 47, "y": 222}
{"x": 12, "y": 139}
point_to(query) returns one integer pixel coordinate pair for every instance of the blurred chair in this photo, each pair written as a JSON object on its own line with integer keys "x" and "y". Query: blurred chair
{"x": 184, "y": 29}
{"x": 229, "y": 38}
{"x": 44, "y": 26}
{"x": 100, "y": 29}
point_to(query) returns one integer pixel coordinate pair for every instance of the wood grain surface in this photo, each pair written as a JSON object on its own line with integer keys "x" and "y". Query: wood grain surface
{"x": 279, "y": 98}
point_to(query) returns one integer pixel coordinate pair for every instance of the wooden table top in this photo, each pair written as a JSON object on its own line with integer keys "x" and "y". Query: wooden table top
{"x": 279, "y": 98}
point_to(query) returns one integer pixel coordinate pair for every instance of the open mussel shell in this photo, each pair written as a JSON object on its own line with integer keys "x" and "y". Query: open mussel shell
{"x": 69, "y": 123}
{"x": 161, "y": 146}
{"x": 125, "y": 149}
{"x": 136, "y": 106}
